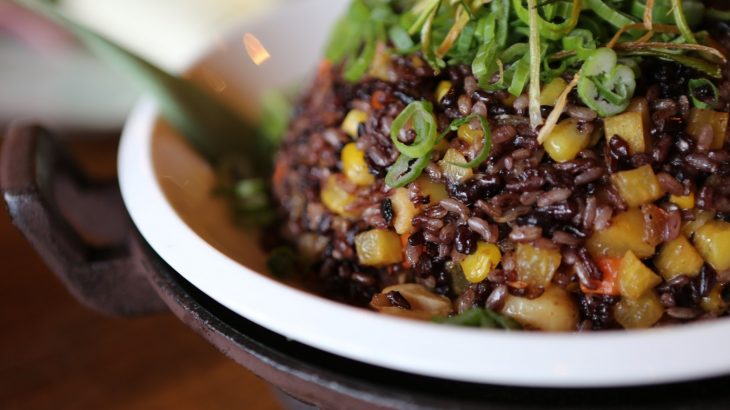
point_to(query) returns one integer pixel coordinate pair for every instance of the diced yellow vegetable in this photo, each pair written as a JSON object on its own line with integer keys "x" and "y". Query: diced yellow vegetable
{"x": 336, "y": 198}
{"x": 424, "y": 303}
{"x": 378, "y": 247}
{"x": 713, "y": 243}
{"x": 698, "y": 118}
{"x": 638, "y": 186}
{"x": 678, "y": 257}
{"x": 536, "y": 266}
{"x": 640, "y": 313}
{"x": 566, "y": 140}
{"x": 468, "y": 135}
{"x": 441, "y": 90}
{"x": 550, "y": 93}
{"x": 634, "y": 278}
{"x": 701, "y": 218}
{"x": 403, "y": 210}
{"x": 355, "y": 167}
{"x": 684, "y": 201}
{"x": 453, "y": 172}
{"x": 629, "y": 126}
{"x": 434, "y": 190}
{"x": 641, "y": 105}
{"x": 553, "y": 311}
{"x": 477, "y": 266}
{"x": 625, "y": 233}
{"x": 352, "y": 122}
{"x": 713, "y": 302}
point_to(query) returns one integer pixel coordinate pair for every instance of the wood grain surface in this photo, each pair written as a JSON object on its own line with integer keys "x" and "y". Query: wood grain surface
{"x": 56, "y": 354}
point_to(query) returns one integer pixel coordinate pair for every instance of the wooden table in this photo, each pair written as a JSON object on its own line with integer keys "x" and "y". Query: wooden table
{"x": 56, "y": 354}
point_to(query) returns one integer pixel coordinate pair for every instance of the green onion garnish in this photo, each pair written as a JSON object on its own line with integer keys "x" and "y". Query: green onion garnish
{"x": 417, "y": 116}
{"x": 405, "y": 170}
{"x": 606, "y": 86}
{"x": 486, "y": 148}
{"x": 701, "y": 90}
{"x": 480, "y": 317}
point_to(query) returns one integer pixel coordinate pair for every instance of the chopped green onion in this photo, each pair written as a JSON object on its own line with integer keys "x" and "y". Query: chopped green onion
{"x": 502, "y": 9}
{"x": 417, "y": 116}
{"x": 485, "y": 64}
{"x": 425, "y": 9}
{"x": 405, "y": 170}
{"x": 427, "y": 37}
{"x": 609, "y": 14}
{"x": 347, "y": 33}
{"x": 703, "y": 66}
{"x": 356, "y": 68}
{"x": 700, "y": 86}
{"x": 551, "y": 31}
{"x": 606, "y": 86}
{"x": 276, "y": 110}
{"x": 581, "y": 41}
{"x": 486, "y": 149}
{"x": 400, "y": 38}
{"x": 480, "y": 317}
{"x": 681, "y": 21}
{"x": 662, "y": 11}
{"x": 521, "y": 76}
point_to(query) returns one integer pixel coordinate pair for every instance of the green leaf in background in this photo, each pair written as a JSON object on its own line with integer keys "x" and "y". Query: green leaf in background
{"x": 211, "y": 128}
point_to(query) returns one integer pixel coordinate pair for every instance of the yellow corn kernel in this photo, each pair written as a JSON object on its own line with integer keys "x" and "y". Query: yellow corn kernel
{"x": 453, "y": 172}
{"x": 477, "y": 266}
{"x": 553, "y": 311}
{"x": 536, "y": 266}
{"x": 378, "y": 247}
{"x": 641, "y": 105}
{"x": 550, "y": 93}
{"x": 638, "y": 186}
{"x": 713, "y": 302}
{"x": 434, "y": 190}
{"x": 355, "y": 167}
{"x": 684, "y": 201}
{"x": 566, "y": 140}
{"x": 625, "y": 233}
{"x": 352, "y": 122}
{"x": 700, "y": 219}
{"x": 336, "y": 198}
{"x": 441, "y": 90}
{"x": 403, "y": 210}
{"x": 634, "y": 278}
{"x": 678, "y": 257}
{"x": 468, "y": 135}
{"x": 713, "y": 243}
{"x": 639, "y": 313}
{"x": 698, "y": 118}
{"x": 629, "y": 126}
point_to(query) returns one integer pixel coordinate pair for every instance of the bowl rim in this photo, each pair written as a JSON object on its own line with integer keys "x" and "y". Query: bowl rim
{"x": 529, "y": 359}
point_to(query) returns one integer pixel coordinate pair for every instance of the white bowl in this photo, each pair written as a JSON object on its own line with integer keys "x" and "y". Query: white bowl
{"x": 167, "y": 190}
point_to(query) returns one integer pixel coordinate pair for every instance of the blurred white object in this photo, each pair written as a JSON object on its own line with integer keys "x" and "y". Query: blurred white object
{"x": 65, "y": 87}
{"x": 170, "y": 33}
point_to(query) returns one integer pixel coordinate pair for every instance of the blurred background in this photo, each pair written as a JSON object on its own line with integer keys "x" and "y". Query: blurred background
{"x": 46, "y": 75}
{"x": 53, "y": 352}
